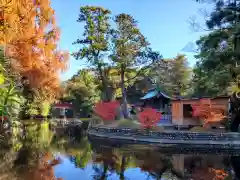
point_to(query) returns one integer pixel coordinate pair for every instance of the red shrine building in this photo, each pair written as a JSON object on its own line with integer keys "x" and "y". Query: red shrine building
{"x": 63, "y": 110}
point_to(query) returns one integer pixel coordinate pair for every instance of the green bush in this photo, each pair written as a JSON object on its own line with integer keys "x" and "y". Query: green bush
{"x": 45, "y": 108}
{"x": 96, "y": 120}
{"x": 127, "y": 123}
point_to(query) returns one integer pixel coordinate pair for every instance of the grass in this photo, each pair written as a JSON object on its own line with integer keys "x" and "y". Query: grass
{"x": 130, "y": 123}
{"x": 122, "y": 123}
{"x": 85, "y": 119}
{"x": 198, "y": 129}
{"x": 158, "y": 128}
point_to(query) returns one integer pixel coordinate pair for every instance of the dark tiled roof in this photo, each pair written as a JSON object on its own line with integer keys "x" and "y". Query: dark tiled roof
{"x": 154, "y": 93}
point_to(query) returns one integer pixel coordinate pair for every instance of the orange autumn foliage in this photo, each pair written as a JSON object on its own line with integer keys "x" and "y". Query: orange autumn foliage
{"x": 205, "y": 111}
{"x": 19, "y": 18}
{"x": 44, "y": 169}
{"x": 209, "y": 174}
{"x": 30, "y": 37}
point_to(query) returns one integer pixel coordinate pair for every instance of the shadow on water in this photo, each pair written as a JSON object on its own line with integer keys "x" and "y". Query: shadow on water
{"x": 45, "y": 154}
{"x": 235, "y": 161}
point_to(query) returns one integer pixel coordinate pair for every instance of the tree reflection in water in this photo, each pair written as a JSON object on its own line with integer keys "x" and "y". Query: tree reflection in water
{"x": 206, "y": 173}
{"x": 235, "y": 161}
{"x": 27, "y": 157}
{"x": 30, "y": 158}
{"x": 157, "y": 165}
{"x": 108, "y": 160}
{"x": 104, "y": 161}
{"x": 33, "y": 159}
{"x": 42, "y": 170}
{"x": 80, "y": 154}
{"x": 207, "y": 167}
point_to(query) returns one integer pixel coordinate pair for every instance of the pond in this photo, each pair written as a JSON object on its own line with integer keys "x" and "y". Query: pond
{"x": 42, "y": 154}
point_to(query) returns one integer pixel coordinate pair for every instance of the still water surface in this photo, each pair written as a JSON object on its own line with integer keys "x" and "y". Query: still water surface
{"x": 37, "y": 158}
{"x": 142, "y": 163}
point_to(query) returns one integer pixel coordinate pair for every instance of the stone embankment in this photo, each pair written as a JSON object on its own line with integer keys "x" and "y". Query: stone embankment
{"x": 201, "y": 140}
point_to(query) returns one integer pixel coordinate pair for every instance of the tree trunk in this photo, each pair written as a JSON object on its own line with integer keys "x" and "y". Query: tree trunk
{"x": 104, "y": 174}
{"x": 123, "y": 164}
{"x": 124, "y": 95}
{"x": 106, "y": 93}
{"x": 234, "y": 123}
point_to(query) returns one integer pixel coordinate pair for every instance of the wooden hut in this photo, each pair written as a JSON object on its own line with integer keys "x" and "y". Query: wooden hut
{"x": 182, "y": 109}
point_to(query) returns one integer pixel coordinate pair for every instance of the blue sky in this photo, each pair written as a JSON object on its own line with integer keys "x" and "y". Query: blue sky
{"x": 163, "y": 22}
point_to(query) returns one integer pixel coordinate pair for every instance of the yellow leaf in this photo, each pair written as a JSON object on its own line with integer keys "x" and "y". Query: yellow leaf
{"x": 235, "y": 88}
{"x": 1, "y": 79}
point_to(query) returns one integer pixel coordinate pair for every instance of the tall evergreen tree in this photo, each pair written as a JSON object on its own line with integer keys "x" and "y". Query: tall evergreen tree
{"x": 219, "y": 50}
{"x": 172, "y": 75}
{"x": 129, "y": 45}
{"x": 95, "y": 43}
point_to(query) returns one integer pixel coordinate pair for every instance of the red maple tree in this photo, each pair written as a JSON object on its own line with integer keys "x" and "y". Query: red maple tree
{"x": 149, "y": 117}
{"x": 205, "y": 111}
{"x": 107, "y": 110}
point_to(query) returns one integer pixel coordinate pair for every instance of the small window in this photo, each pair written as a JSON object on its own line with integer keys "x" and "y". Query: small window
{"x": 187, "y": 110}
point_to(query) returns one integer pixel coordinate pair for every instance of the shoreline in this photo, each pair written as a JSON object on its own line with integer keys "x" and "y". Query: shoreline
{"x": 177, "y": 139}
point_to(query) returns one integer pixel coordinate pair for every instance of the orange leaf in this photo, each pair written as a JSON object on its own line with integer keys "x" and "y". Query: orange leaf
{"x": 205, "y": 111}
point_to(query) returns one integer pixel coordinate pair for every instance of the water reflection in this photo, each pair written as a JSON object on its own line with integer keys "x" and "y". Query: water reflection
{"x": 43, "y": 154}
{"x": 235, "y": 162}
{"x": 155, "y": 165}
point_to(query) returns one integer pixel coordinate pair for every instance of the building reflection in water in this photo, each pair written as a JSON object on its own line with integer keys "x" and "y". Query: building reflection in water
{"x": 177, "y": 166}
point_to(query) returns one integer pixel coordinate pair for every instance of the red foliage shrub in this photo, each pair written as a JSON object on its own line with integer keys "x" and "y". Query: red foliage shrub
{"x": 107, "y": 110}
{"x": 149, "y": 117}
